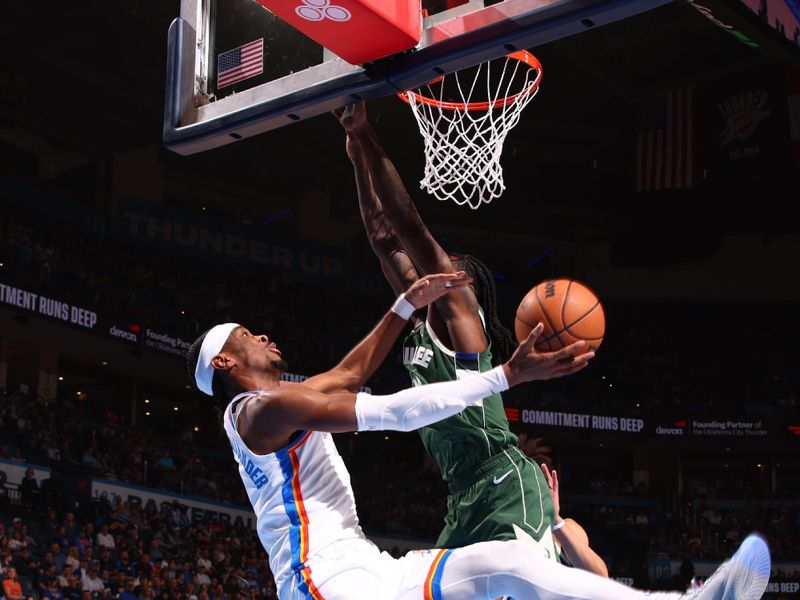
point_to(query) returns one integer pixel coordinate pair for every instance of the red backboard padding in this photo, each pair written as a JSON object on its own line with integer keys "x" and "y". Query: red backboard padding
{"x": 357, "y": 30}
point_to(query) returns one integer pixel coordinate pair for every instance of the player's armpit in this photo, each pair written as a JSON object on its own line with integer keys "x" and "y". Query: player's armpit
{"x": 267, "y": 421}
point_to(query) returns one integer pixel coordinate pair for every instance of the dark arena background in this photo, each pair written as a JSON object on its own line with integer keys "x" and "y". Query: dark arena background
{"x": 680, "y": 438}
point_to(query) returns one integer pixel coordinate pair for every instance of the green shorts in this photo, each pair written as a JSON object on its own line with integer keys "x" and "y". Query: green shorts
{"x": 507, "y": 489}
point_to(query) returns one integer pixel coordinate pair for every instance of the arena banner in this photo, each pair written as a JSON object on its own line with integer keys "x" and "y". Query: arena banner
{"x": 745, "y": 123}
{"x": 197, "y": 509}
{"x": 579, "y": 421}
{"x": 30, "y": 301}
{"x": 44, "y": 306}
{"x": 14, "y": 472}
{"x": 784, "y": 585}
{"x": 166, "y": 343}
{"x": 187, "y": 233}
{"x": 713, "y": 427}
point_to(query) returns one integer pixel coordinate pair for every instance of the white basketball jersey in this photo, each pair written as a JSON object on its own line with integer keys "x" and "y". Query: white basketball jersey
{"x": 301, "y": 496}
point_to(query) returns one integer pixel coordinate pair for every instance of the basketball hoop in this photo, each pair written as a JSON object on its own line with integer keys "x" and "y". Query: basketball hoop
{"x": 464, "y": 134}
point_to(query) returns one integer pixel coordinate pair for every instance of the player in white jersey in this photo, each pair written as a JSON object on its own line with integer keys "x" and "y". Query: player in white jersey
{"x": 300, "y": 489}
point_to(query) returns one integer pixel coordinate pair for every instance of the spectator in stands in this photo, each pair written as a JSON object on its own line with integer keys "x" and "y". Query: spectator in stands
{"x": 72, "y": 591}
{"x": 125, "y": 564}
{"x": 129, "y": 592}
{"x": 23, "y": 561}
{"x": 73, "y": 559}
{"x": 70, "y": 526}
{"x": 12, "y": 587}
{"x": 202, "y": 577}
{"x": 16, "y": 543}
{"x": 90, "y": 581}
{"x": 104, "y": 538}
{"x": 155, "y": 551}
{"x": 5, "y": 564}
{"x": 82, "y": 541}
{"x": 29, "y": 489}
{"x": 43, "y": 575}
{"x": 203, "y": 560}
{"x": 52, "y": 591}
{"x": 65, "y": 574}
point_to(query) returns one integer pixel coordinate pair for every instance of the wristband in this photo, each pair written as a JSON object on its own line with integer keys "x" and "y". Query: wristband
{"x": 403, "y": 308}
{"x": 558, "y": 526}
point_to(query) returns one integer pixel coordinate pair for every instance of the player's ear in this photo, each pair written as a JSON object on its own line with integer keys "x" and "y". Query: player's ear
{"x": 222, "y": 362}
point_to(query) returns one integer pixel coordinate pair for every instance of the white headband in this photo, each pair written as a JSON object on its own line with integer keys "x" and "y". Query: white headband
{"x": 212, "y": 345}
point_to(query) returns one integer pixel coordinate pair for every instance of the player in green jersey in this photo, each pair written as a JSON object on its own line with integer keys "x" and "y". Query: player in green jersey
{"x": 496, "y": 492}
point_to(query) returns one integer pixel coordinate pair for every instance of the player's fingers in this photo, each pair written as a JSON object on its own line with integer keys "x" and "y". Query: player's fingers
{"x": 582, "y": 358}
{"x": 570, "y": 368}
{"x": 547, "y": 477}
{"x": 530, "y": 341}
{"x": 449, "y": 280}
{"x": 568, "y": 352}
{"x": 555, "y": 479}
{"x": 450, "y": 276}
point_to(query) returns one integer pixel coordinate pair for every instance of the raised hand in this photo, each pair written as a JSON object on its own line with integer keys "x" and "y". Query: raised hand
{"x": 528, "y": 364}
{"x": 352, "y": 116}
{"x": 432, "y": 287}
{"x": 552, "y": 483}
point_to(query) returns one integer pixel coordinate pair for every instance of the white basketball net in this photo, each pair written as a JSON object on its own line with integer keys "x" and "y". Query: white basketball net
{"x": 464, "y": 139}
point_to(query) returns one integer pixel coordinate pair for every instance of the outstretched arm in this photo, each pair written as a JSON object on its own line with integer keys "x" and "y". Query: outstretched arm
{"x": 395, "y": 263}
{"x": 572, "y": 538}
{"x": 268, "y": 420}
{"x": 360, "y": 363}
{"x": 459, "y": 310}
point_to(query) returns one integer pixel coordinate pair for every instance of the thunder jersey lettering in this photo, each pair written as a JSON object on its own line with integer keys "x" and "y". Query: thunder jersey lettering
{"x": 459, "y": 443}
{"x": 295, "y": 492}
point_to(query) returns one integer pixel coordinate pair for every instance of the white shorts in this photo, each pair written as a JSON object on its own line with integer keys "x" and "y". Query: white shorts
{"x": 357, "y": 570}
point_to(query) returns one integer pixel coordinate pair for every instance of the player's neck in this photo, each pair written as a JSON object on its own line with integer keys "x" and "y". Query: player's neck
{"x": 253, "y": 381}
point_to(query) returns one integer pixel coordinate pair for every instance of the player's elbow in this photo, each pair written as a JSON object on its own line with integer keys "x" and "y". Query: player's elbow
{"x": 382, "y": 242}
{"x": 350, "y": 379}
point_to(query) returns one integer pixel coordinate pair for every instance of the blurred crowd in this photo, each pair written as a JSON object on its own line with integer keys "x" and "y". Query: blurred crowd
{"x": 659, "y": 359}
{"x": 130, "y": 552}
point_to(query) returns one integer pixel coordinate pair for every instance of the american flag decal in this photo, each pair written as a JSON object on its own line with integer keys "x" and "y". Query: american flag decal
{"x": 666, "y": 142}
{"x": 240, "y": 63}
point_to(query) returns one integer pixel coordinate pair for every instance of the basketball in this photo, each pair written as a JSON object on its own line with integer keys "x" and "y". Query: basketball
{"x": 569, "y": 311}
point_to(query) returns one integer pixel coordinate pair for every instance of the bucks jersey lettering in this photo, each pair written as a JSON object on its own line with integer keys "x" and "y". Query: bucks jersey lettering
{"x": 460, "y": 443}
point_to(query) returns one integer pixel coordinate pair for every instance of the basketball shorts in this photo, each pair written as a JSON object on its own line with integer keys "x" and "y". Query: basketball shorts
{"x": 507, "y": 498}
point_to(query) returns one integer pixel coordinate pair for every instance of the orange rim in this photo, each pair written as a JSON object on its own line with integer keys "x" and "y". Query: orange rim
{"x": 522, "y": 56}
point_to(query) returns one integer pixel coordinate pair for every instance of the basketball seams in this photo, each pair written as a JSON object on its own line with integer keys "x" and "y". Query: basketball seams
{"x": 544, "y": 340}
{"x": 590, "y": 311}
{"x": 546, "y": 316}
{"x": 564, "y": 306}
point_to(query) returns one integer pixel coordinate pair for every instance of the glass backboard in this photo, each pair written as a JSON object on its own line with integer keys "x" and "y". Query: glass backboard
{"x": 235, "y": 70}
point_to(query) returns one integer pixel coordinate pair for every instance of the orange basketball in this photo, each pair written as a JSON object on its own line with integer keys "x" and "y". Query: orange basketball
{"x": 569, "y": 310}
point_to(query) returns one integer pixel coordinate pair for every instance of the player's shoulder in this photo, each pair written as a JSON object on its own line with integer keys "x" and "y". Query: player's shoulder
{"x": 254, "y": 402}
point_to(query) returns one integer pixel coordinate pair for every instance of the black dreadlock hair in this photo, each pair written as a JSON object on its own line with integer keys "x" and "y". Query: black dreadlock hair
{"x": 503, "y": 345}
{"x": 220, "y": 397}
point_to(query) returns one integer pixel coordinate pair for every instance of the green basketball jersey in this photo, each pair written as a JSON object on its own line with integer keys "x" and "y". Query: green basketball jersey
{"x": 462, "y": 442}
